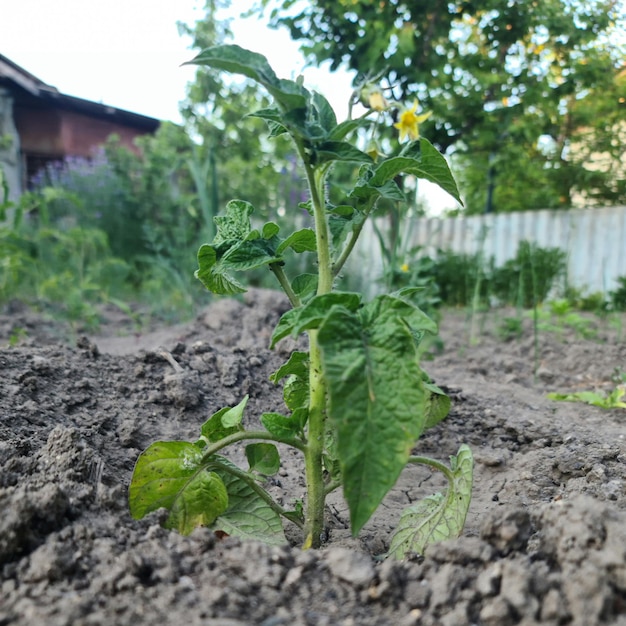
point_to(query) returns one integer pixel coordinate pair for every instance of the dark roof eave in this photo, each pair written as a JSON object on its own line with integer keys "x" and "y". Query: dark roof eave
{"x": 13, "y": 74}
{"x": 97, "y": 109}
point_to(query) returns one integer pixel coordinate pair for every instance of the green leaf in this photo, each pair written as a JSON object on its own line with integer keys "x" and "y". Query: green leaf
{"x": 170, "y": 475}
{"x": 238, "y": 247}
{"x": 341, "y": 151}
{"x": 345, "y": 128}
{"x": 237, "y": 60}
{"x": 612, "y": 401}
{"x": 311, "y": 314}
{"x": 263, "y": 458}
{"x": 270, "y": 230}
{"x": 224, "y": 422}
{"x": 212, "y": 274}
{"x": 296, "y": 393}
{"x": 250, "y": 254}
{"x": 284, "y": 327}
{"x": 305, "y": 286}
{"x": 437, "y": 517}
{"x": 270, "y": 114}
{"x": 283, "y": 426}
{"x": 429, "y": 165}
{"x": 234, "y": 225}
{"x": 376, "y": 397}
{"x": 300, "y": 241}
{"x": 298, "y": 364}
{"x": 199, "y": 503}
{"x": 325, "y": 114}
{"x": 248, "y": 515}
{"x": 437, "y": 405}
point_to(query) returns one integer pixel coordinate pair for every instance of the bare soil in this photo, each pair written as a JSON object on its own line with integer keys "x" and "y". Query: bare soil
{"x": 545, "y": 541}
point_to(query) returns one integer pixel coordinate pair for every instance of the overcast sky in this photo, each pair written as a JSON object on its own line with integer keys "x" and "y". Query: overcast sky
{"x": 127, "y": 53}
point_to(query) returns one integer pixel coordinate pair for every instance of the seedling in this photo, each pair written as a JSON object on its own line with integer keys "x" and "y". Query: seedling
{"x": 357, "y": 400}
{"x": 612, "y": 400}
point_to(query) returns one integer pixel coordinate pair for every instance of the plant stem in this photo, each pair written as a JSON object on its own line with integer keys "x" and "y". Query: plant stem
{"x": 261, "y": 435}
{"x": 424, "y": 460}
{"x": 314, "y": 519}
{"x": 354, "y": 236}
{"x": 278, "y": 271}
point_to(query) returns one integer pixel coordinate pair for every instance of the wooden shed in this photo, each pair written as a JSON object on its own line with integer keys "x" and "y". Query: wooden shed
{"x": 38, "y": 124}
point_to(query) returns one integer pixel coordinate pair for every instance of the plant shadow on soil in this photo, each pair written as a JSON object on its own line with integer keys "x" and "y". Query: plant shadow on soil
{"x": 545, "y": 540}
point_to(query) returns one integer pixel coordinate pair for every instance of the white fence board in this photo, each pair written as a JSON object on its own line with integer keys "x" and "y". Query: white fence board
{"x": 594, "y": 240}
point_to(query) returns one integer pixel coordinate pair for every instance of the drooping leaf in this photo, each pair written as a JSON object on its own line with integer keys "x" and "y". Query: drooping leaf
{"x": 376, "y": 396}
{"x": 170, "y": 475}
{"x": 248, "y": 515}
{"x": 437, "y": 517}
{"x": 263, "y": 458}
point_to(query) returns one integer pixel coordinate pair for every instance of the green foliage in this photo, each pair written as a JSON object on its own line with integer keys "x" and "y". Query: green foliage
{"x": 618, "y": 296}
{"x": 510, "y": 328}
{"x": 457, "y": 275}
{"x": 560, "y": 316}
{"x": 357, "y": 401}
{"x": 612, "y": 400}
{"x": 109, "y": 229}
{"x": 527, "y": 279}
{"x": 223, "y": 113}
{"x": 65, "y": 271}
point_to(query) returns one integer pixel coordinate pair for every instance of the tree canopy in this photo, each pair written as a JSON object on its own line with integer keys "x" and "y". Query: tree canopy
{"x": 509, "y": 83}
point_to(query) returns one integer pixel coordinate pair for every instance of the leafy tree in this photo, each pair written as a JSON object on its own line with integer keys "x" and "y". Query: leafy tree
{"x": 505, "y": 81}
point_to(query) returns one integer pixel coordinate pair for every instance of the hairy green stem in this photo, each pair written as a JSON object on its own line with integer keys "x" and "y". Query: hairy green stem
{"x": 424, "y": 460}
{"x": 277, "y": 270}
{"x": 347, "y": 251}
{"x": 263, "y": 435}
{"x": 315, "y": 447}
{"x": 331, "y": 486}
{"x": 314, "y": 520}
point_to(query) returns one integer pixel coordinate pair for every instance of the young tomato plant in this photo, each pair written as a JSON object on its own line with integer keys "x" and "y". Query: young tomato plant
{"x": 357, "y": 400}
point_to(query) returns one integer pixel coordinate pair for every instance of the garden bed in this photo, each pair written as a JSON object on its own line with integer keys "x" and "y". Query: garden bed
{"x": 545, "y": 539}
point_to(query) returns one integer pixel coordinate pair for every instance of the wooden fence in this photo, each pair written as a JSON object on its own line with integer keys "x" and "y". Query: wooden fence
{"x": 593, "y": 239}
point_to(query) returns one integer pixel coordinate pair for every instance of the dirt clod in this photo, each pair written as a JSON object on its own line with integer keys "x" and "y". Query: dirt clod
{"x": 544, "y": 543}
